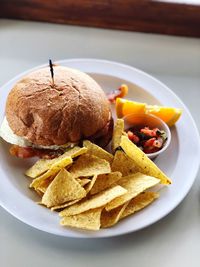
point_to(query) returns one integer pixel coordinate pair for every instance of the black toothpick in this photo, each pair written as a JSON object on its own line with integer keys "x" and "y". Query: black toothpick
{"x": 51, "y": 70}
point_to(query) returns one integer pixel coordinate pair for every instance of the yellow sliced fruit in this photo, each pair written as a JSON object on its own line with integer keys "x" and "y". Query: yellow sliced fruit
{"x": 125, "y": 107}
{"x": 169, "y": 115}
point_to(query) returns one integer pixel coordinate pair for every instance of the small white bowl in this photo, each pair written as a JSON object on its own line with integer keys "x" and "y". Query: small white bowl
{"x": 151, "y": 121}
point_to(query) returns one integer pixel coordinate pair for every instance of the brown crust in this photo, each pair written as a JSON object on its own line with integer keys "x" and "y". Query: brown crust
{"x": 74, "y": 108}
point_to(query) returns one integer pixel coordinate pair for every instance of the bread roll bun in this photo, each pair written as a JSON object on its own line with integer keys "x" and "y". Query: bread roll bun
{"x": 73, "y": 108}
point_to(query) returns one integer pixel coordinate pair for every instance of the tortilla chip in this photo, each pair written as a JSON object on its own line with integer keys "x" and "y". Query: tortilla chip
{"x": 110, "y": 218}
{"x": 139, "y": 202}
{"x": 74, "y": 152}
{"x": 91, "y": 184}
{"x": 83, "y": 181}
{"x": 117, "y": 134}
{"x": 62, "y": 189}
{"x": 123, "y": 164}
{"x": 40, "y": 193}
{"x": 97, "y": 151}
{"x": 134, "y": 184}
{"x": 44, "y": 185}
{"x": 39, "y": 168}
{"x": 142, "y": 162}
{"x": 55, "y": 168}
{"x": 89, "y": 220}
{"x": 64, "y": 205}
{"x": 43, "y": 165}
{"x": 96, "y": 201}
{"x": 89, "y": 165}
{"x": 104, "y": 181}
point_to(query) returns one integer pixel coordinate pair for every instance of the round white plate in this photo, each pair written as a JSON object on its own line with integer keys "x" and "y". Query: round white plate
{"x": 180, "y": 161}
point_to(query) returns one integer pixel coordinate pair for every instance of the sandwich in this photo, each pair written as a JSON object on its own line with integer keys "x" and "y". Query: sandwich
{"x": 44, "y": 116}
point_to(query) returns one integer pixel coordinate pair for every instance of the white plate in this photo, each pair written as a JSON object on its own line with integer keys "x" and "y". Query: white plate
{"x": 180, "y": 161}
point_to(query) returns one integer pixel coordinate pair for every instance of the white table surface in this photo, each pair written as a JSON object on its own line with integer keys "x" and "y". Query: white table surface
{"x": 173, "y": 241}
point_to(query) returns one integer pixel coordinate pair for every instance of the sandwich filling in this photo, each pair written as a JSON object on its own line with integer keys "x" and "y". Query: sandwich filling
{"x": 9, "y": 136}
{"x": 23, "y": 148}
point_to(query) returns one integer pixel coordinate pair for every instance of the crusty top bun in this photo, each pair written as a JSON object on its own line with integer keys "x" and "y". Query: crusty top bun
{"x": 75, "y": 107}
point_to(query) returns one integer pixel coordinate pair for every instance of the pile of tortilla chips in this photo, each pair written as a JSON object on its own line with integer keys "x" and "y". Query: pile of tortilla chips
{"x": 92, "y": 188}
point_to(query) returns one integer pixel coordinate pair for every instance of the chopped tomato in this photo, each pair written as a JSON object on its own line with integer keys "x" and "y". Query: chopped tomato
{"x": 133, "y": 137}
{"x": 148, "y": 140}
{"x": 149, "y": 132}
{"x": 151, "y": 149}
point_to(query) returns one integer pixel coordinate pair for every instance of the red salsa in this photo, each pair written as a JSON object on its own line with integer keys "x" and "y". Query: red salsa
{"x": 148, "y": 140}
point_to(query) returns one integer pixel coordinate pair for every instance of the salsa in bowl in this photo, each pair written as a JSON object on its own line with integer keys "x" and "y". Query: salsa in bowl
{"x": 148, "y": 132}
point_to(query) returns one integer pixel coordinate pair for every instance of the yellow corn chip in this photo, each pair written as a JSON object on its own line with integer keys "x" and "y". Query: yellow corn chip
{"x": 96, "y": 201}
{"x": 139, "y": 202}
{"x": 39, "y": 168}
{"x": 134, "y": 184}
{"x": 44, "y": 165}
{"x": 97, "y": 151}
{"x": 89, "y": 165}
{"x": 117, "y": 134}
{"x": 142, "y": 162}
{"x": 109, "y": 218}
{"x": 123, "y": 164}
{"x": 40, "y": 193}
{"x": 83, "y": 181}
{"x": 74, "y": 152}
{"x": 104, "y": 181}
{"x": 40, "y": 203}
{"x": 89, "y": 220}
{"x": 44, "y": 185}
{"x": 67, "y": 204}
{"x": 90, "y": 185}
{"x": 54, "y": 169}
{"x": 62, "y": 189}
